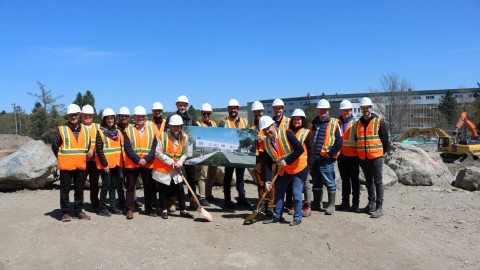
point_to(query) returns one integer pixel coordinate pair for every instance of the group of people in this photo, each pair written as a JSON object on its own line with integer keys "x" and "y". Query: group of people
{"x": 288, "y": 149}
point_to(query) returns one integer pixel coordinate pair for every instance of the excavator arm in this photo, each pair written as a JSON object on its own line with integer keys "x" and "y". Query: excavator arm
{"x": 465, "y": 120}
{"x": 438, "y": 132}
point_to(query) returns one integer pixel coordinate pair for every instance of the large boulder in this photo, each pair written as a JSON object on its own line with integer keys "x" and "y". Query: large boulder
{"x": 468, "y": 178}
{"x": 416, "y": 167}
{"x": 32, "y": 166}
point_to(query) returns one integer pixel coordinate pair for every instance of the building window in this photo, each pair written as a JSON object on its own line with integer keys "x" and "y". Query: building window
{"x": 430, "y": 97}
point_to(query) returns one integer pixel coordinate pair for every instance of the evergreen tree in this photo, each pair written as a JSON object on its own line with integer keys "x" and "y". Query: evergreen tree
{"x": 38, "y": 120}
{"x": 310, "y": 111}
{"x": 78, "y": 100}
{"x": 448, "y": 108}
{"x": 88, "y": 99}
{"x": 192, "y": 112}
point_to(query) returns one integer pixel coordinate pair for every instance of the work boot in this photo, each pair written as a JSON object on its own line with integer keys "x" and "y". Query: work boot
{"x": 345, "y": 205}
{"x": 317, "y": 203}
{"x": 378, "y": 211}
{"x": 371, "y": 207}
{"x": 307, "y": 209}
{"x": 354, "y": 207}
{"x": 331, "y": 203}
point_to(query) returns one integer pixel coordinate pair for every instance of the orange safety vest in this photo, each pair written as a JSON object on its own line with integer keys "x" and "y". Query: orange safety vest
{"x": 284, "y": 149}
{"x": 72, "y": 153}
{"x": 369, "y": 145}
{"x": 258, "y": 146}
{"x": 140, "y": 145}
{"x": 157, "y": 130}
{"x": 301, "y": 136}
{"x": 168, "y": 149}
{"x": 94, "y": 127}
{"x": 112, "y": 149}
{"x": 349, "y": 146}
{"x": 202, "y": 124}
{"x": 231, "y": 124}
{"x": 284, "y": 123}
{"x": 329, "y": 139}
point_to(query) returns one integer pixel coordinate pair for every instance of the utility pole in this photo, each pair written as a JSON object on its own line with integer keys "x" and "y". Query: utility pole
{"x": 15, "y": 115}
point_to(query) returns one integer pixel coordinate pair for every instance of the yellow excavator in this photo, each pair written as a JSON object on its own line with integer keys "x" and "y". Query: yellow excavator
{"x": 451, "y": 150}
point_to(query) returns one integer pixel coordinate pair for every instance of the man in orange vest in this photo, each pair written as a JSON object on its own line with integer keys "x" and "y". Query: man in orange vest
{"x": 139, "y": 147}
{"x": 327, "y": 138}
{"x": 70, "y": 145}
{"x": 92, "y": 172}
{"x": 158, "y": 122}
{"x": 372, "y": 144}
{"x": 348, "y": 163}
{"x": 281, "y": 120}
{"x": 234, "y": 121}
{"x": 282, "y": 148}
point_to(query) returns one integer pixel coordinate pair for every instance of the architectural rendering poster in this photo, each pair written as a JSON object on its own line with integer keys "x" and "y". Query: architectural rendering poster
{"x": 233, "y": 147}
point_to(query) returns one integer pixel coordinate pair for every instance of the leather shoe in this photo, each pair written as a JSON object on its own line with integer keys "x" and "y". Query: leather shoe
{"x": 244, "y": 202}
{"x": 274, "y": 220}
{"x": 129, "y": 214}
{"x": 151, "y": 213}
{"x": 66, "y": 217}
{"x": 83, "y": 216}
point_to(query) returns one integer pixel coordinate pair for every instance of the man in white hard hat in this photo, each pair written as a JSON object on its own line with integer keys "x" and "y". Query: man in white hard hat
{"x": 158, "y": 122}
{"x": 372, "y": 144}
{"x": 182, "y": 105}
{"x": 233, "y": 120}
{"x": 92, "y": 172}
{"x": 348, "y": 163}
{"x": 72, "y": 161}
{"x": 139, "y": 145}
{"x": 207, "y": 173}
{"x": 281, "y": 120}
{"x": 327, "y": 138}
{"x": 283, "y": 149}
{"x": 267, "y": 208}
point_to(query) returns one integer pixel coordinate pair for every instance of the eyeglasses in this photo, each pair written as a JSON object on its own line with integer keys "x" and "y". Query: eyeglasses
{"x": 206, "y": 113}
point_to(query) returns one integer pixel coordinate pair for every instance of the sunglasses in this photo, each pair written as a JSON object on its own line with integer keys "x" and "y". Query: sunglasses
{"x": 206, "y": 113}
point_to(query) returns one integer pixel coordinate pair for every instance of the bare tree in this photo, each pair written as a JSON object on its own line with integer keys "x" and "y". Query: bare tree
{"x": 393, "y": 99}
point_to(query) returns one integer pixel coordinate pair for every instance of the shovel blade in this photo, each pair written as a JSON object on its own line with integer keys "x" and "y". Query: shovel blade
{"x": 205, "y": 214}
{"x": 251, "y": 216}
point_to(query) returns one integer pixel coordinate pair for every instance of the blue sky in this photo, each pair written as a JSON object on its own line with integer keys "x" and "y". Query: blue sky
{"x": 131, "y": 53}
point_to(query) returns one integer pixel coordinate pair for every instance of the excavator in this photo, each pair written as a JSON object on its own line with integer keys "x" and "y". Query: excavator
{"x": 465, "y": 120}
{"x": 452, "y": 149}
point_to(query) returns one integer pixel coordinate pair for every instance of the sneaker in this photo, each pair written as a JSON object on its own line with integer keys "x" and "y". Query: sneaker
{"x": 115, "y": 211}
{"x": 66, "y": 217}
{"x": 104, "y": 213}
{"x": 274, "y": 220}
{"x": 212, "y": 199}
{"x": 186, "y": 215}
{"x": 229, "y": 205}
{"x": 82, "y": 215}
{"x": 164, "y": 215}
{"x": 295, "y": 222}
{"x": 244, "y": 202}
{"x": 129, "y": 214}
{"x": 269, "y": 212}
{"x": 204, "y": 202}
{"x": 377, "y": 213}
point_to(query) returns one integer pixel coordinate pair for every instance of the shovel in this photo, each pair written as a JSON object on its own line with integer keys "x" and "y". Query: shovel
{"x": 204, "y": 213}
{"x": 255, "y": 212}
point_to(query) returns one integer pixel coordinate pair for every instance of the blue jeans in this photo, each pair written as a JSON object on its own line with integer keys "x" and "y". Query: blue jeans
{"x": 323, "y": 173}
{"x": 280, "y": 189}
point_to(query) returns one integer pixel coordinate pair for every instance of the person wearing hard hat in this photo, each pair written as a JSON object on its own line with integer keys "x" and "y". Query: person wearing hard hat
{"x": 372, "y": 144}
{"x": 158, "y": 122}
{"x": 281, "y": 120}
{"x": 299, "y": 126}
{"x": 267, "y": 208}
{"x": 182, "y": 104}
{"x": 139, "y": 149}
{"x": 70, "y": 145}
{"x": 109, "y": 161}
{"x": 327, "y": 138}
{"x": 348, "y": 163}
{"x": 171, "y": 153}
{"x": 283, "y": 149}
{"x": 92, "y": 172}
{"x": 233, "y": 120}
{"x": 207, "y": 173}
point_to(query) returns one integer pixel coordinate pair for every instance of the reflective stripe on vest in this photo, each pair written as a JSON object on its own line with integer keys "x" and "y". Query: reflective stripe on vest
{"x": 168, "y": 149}
{"x": 112, "y": 151}
{"x": 140, "y": 145}
{"x": 231, "y": 124}
{"x": 202, "y": 124}
{"x": 369, "y": 145}
{"x": 284, "y": 123}
{"x": 329, "y": 139}
{"x": 72, "y": 153}
{"x": 303, "y": 159}
{"x": 349, "y": 146}
{"x": 157, "y": 130}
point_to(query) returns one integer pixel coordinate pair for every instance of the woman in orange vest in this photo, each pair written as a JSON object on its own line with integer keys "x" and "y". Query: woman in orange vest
{"x": 109, "y": 160}
{"x": 282, "y": 148}
{"x": 171, "y": 153}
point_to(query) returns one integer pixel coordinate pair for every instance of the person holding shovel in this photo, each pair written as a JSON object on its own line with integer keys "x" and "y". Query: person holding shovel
{"x": 171, "y": 153}
{"x": 285, "y": 150}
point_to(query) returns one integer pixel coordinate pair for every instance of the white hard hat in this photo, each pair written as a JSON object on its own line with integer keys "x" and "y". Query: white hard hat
{"x": 175, "y": 120}
{"x": 124, "y": 110}
{"x": 139, "y": 110}
{"x": 365, "y": 101}
{"x": 157, "y": 106}
{"x": 298, "y": 112}
{"x": 257, "y": 105}
{"x": 323, "y": 104}
{"x": 206, "y": 107}
{"x": 87, "y": 109}
{"x": 278, "y": 102}
{"x": 108, "y": 112}
{"x": 182, "y": 98}
{"x": 73, "y": 108}
{"x": 233, "y": 102}
{"x": 265, "y": 121}
{"x": 345, "y": 104}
